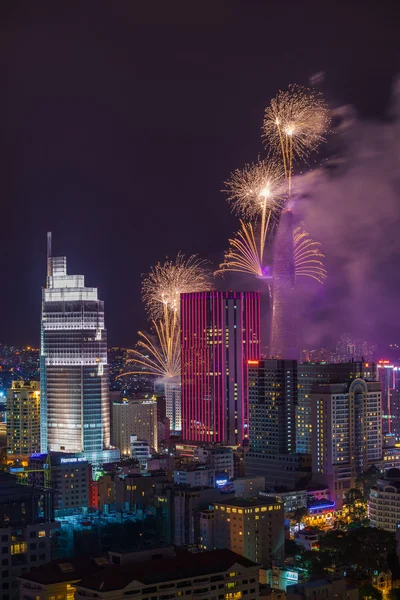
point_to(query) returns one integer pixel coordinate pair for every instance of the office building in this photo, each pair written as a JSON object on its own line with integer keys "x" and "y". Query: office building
{"x": 173, "y": 403}
{"x": 252, "y": 527}
{"x": 68, "y": 475}
{"x": 220, "y": 334}
{"x": 27, "y": 527}
{"x": 384, "y": 502}
{"x": 205, "y": 575}
{"x": 135, "y": 417}
{"x": 74, "y": 382}
{"x": 272, "y": 402}
{"x": 347, "y": 435}
{"x": 23, "y": 419}
{"x": 312, "y": 374}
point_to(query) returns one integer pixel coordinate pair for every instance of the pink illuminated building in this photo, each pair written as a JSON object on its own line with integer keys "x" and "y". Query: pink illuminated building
{"x": 220, "y": 334}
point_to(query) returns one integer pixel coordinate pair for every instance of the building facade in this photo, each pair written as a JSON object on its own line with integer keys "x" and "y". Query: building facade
{"x": 220, "y": 334}
{"x": 69, "y": 476}
{"x": 23, "y": 419}
{"x": 134, "y": 417}
{"x": 347, "y": 434}
{"x": 312, "y": 374}
{"x": 74, "y": 381}
{"x": 384, "y": 502}
{"x": 173, "y": 403}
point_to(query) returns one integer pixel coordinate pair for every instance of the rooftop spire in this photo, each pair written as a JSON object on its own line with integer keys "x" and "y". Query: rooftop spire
{"x": 49, "y": 265}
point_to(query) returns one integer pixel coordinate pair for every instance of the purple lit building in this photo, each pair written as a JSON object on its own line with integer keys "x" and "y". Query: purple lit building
{"x": 220, "y": 334}
{"x": 284, "y": 332}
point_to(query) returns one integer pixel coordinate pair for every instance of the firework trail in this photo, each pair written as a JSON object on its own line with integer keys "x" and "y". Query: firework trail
{"x": 159, "y": 355}
{"x": 307, "y": 256}
{"x": 243, "y": 255}
{"x": 295, "y": 123}
{"x": 256, "y": 193}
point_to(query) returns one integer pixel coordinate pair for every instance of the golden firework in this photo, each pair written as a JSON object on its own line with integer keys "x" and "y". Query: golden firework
{"x": 307, "y": 256}
{"x": 158, "y": 355}
{"x": 165, "y": 283}
{"x": 243, "y": 255}
{"x": 295, "y": 123}
{"x": 256, "y": 193}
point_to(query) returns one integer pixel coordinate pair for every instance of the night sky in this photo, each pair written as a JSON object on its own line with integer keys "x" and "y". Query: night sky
{"x": 120, "y": 121}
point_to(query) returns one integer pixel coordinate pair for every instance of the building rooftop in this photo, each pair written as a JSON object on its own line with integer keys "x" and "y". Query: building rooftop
{"x": 186, "y": 565}
{"x": 248, "y": 502}
{"x": 65, "y": 569}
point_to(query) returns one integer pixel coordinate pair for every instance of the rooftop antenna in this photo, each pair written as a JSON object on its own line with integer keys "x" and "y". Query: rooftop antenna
{"x": 49, "y": 265}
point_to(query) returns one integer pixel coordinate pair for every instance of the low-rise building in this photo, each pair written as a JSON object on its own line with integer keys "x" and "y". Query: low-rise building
{"x": 194, "y": 476}
{"x": 308, "y": 538}
{"x": 207, "y": 575}
{"x": 219, "y": 458}
{"x": 279, "y": 577}
{"x": 27, "y": 527}
{"x": 322, "y": 589}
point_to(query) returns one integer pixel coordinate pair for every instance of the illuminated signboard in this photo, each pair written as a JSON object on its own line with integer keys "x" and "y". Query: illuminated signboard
{"x": 72, "y": 460}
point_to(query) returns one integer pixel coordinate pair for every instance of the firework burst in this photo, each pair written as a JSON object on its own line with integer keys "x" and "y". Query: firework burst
{"x": 295, "y": 123}
{"x": 165, "y": 283}
{"x": 307, "y": 256}
{"x": 255, "y": 192}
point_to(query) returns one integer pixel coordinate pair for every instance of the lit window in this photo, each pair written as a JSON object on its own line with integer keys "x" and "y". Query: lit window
{"x": 41, "y": 534}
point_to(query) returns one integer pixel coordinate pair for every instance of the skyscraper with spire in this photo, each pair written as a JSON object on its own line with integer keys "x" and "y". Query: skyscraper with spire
{"x": 75, "y": 407}
{"x": 284, "y": 331}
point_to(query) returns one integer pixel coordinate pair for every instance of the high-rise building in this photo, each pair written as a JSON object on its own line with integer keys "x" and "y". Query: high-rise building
{"x": 312, "y": 374}
{"x": 220, "y": 334}
{"x": 252, "y": 527}
{"x": 23, "y": 419}
{"x": 395, "y": 405}
{"x": 75, "y": 408}
{"x": 347, "y": 433}
{"x": 272, "y": 401}
{"x": 386, "y": 375}
{"x": 135, "y": 417}
{"x": 284, "y": 331}
{"x": 173, "y": 402}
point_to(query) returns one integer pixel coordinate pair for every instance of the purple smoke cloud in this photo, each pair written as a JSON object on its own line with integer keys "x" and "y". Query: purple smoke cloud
{"x": 352, "y": 206}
